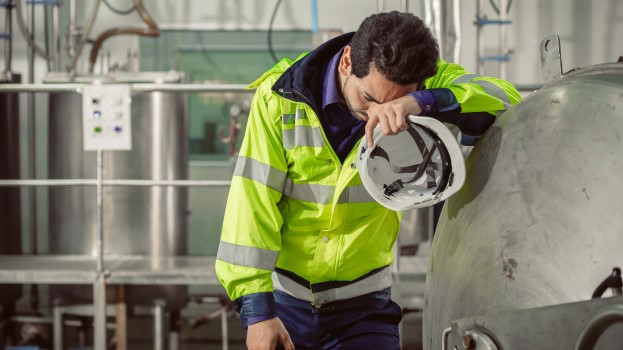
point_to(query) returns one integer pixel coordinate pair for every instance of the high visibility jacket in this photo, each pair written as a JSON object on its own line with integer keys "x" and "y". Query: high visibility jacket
{"x": 297, "y": 219}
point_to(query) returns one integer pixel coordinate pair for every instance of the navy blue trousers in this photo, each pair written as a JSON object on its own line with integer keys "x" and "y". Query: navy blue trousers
{"x": 366, "y": 322}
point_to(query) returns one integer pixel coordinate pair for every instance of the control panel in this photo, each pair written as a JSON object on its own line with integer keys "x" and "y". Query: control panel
{"x": 106, "y": 117}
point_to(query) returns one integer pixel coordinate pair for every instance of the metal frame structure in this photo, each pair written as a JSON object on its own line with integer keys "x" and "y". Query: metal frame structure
{"x": 98, "y": 270}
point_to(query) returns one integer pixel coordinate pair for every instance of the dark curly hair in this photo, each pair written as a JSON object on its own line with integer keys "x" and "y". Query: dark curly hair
{"x": 398, "y": 45}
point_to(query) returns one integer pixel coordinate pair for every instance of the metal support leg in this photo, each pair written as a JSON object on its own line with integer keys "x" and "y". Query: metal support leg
{"x": 121, "y": 317}
{"x": 159, "y": 316}
{"x": 174, "y": 330}
{"x": 99, "y": 314}
{"x": 57, "y": 326}
{"x": 225, "y": 330}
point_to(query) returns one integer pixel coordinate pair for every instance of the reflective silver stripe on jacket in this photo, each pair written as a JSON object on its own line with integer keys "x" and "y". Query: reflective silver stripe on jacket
{"x": 488, "y": 86}
{"x": 370, "y": 284}
{"x": 240, "y": 255}
{"x": 291, "y": 118}
{"x": 260, "y": 172}
{"x": 324, "y": 194}
{"x": 302, "y": 135}
{"x": 355, "y": 194}
{"x": 308, "y": 192}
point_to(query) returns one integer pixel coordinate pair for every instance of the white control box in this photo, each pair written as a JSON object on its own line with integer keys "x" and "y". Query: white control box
{"x": 106, "y": 117}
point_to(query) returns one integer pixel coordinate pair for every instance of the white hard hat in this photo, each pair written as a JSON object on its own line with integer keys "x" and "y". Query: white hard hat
{"x": 416, "y": 168}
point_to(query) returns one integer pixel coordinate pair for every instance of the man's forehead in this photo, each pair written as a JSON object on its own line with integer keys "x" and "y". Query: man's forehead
{"x": 380, "y": 89}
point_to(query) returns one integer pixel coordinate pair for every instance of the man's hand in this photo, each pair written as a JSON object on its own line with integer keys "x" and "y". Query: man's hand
{"x": 266, "y": 335}
{"x": 391, "y": 115}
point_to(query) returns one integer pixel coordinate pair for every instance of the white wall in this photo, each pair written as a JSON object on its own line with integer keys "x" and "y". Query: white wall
{"x": 591, "y": 31}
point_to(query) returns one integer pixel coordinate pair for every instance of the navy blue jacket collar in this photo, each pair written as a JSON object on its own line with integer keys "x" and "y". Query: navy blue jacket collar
{"x": 303, "y": 81}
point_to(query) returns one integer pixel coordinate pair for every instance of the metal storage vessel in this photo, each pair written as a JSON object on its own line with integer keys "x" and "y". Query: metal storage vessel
{"x": 149, "y": 221}
{"x": 10, "y": 211}
{"x": 539, "y": 220}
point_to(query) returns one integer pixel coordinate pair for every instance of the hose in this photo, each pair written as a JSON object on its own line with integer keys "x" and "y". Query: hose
{"x": 270, "y": 32}
{"x": 117, "y": 11}
{"x": 152, "y": 31}
{"x": 24, "y": 30}
{"x": 71, "y": 67}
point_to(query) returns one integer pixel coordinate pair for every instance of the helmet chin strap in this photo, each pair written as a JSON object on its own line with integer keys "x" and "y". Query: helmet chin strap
{"x": 418, "y": 169}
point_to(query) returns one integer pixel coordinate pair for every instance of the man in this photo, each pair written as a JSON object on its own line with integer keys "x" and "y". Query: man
{"x": 304, "y": 251}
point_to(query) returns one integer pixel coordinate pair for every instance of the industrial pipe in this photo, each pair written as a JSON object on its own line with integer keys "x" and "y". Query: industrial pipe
{"x": 19, "y": 13}
{"x": 71, "y": 67}
{"x": 152, "y": 30}
{"x": 8, "y": 41}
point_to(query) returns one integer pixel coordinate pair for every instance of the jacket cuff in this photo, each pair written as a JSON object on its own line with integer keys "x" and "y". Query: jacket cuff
{"x": 426, "y": 100}
{"x": 446, "y": 101}
{"x": 256, "y": 307}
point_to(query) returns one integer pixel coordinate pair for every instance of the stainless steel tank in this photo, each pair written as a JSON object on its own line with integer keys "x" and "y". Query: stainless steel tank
{"x": 539, "y": 220}
{"x": 150, "y": 221}
{"x": 10, "y": 211}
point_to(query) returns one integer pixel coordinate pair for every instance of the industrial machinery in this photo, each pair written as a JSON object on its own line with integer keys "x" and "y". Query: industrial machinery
{"x": 10, "y": 211}
{"x": 147, "y": 221}
{"x": 521, "y": 248}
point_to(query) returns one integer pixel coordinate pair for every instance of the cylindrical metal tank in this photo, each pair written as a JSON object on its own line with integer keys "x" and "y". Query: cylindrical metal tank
{"x": 149, "y": 221}
{"x": 539, "y": 220}
{"x": 10, "y": 211}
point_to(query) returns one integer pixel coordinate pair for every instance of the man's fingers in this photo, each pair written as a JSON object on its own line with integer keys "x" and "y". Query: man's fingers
{"x": 287, "y": 342}
{"x": 370, "y": 125}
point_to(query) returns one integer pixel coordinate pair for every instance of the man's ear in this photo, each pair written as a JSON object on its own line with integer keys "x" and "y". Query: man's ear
{"x": 345, "y": 66}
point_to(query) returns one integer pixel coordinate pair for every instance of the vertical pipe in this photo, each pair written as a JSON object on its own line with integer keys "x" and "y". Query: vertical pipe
{"x": 456, "y": 12}
{"x": 56, "y": 38}
{"x": 159, "y": 324}
{"x": 225, "y": 330}
{"x": 174, "y": 330}
{"x": 314, "y": 16}
{"x": 32, "y": 149}
{"x": 121, "y": 319}
{"x": 8, "y": 41}
{"x": 99, "y": 314}
{"x": 428, "y": 16}
{"x": 503, "y": 37}
{"x": 71, "y": 45}
{"x": 380, "y": 5}
{"x": 99, "y": 287}
{"x": 99, "y": 227}
{"x": 404, "y": 5}
{"x": 480, "y": 39}
{"x": 438, "y": 25}
{"x": 57, "y": 326}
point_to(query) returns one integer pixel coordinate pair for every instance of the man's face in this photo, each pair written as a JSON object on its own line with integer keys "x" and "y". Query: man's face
{"x": 360, "y": 93}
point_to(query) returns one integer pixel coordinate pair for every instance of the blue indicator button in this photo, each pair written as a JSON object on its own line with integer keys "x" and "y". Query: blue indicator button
{"x": 118, "y": 129}
{"x": 97, "y": 114}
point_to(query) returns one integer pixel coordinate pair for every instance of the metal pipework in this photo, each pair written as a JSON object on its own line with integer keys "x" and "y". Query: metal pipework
{"x": 480, "y": 37}
{"x": 8, "y": 40}
{"x": 503, "y": 38}
{"x": 95, "y": 182}
{"x": 152, "y": 31}
{"x": 597, "y": 325}
{"x": 71, "y": 43}
{"x": 56, "y": 38}
{"x": 134, "y": 87}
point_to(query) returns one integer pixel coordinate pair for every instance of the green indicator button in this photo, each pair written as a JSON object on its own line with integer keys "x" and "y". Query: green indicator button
{"x": 97, "y": 129}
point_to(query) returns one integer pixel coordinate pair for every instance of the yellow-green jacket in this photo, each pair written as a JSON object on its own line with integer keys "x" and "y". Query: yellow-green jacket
{"x": 297, "y": 219}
